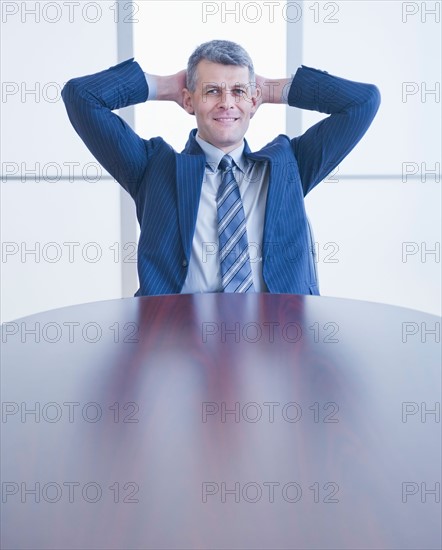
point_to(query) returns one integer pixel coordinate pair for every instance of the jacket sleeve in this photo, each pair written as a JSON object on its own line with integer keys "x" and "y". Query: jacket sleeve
{"x": 89, "y": 102}
{"x": 351, "y": 106}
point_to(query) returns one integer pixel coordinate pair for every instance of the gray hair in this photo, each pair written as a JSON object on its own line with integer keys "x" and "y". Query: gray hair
{"x": 218, "y": 51}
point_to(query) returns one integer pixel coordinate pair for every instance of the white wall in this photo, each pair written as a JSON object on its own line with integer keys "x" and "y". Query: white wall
{"x": 368, "y": 219}
{"x": 371, "y": 219}
{"x": 37, "y": 136}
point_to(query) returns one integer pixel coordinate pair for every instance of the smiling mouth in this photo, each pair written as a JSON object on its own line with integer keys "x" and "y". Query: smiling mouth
{"x": 226, "y": 119}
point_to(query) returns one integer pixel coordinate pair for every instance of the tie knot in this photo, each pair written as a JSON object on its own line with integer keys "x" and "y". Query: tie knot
{"x": 226, "y": 162}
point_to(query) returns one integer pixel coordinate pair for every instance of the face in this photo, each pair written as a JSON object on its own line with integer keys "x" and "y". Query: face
{"x": 223, "y": 103}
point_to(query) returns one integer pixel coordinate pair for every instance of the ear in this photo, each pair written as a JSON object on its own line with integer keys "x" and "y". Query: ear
{"x": 188, "y": 101}
{"x": 256, "y": 101}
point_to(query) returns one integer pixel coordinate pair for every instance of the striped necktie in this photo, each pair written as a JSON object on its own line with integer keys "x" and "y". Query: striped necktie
{"x": 236, "y": 273}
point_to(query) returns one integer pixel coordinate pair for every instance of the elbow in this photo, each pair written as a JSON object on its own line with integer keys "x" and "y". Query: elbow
{"x": 70, "y": 91}
{"x": 373, "y": 98}
{"x": 66, "y": 92}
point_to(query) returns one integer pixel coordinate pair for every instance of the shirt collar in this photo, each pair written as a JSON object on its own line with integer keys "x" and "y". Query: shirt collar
{"x": 214, "y": 155}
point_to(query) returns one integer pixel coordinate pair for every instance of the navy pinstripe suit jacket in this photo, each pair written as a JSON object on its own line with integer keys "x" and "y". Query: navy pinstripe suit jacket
{"x": 166, "y": 185}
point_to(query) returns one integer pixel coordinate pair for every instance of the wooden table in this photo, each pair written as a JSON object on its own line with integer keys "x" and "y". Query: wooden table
{"x": 222, "y": 421}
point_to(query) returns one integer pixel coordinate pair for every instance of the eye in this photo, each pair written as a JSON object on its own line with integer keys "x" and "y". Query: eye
{"x": 239, "y": 92}
{"x": 212, "y": 91}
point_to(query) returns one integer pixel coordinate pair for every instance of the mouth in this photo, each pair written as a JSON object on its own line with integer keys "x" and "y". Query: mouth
{"x": 226, "y": 120}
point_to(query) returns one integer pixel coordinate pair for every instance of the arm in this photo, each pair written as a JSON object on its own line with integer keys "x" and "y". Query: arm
{"x": 351, "y": 106}
{"x": 89, "y": 102}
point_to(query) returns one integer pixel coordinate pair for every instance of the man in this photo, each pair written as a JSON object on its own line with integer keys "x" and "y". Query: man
{"x": 217, "y": 217}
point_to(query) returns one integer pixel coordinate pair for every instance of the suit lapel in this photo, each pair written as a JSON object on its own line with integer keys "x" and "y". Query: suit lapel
{"x": 275, "y": 196}
{"x": 190, "y": 165}
{"x": 276, "y": 189}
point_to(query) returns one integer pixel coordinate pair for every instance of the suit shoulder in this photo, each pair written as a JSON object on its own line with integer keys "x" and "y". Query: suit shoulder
{"x": 157, "y": 145}
{"x": 279, "y": 141}
{"x": 280, "y": 144}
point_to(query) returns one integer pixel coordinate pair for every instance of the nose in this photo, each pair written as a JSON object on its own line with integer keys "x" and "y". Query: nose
{"x": 226, "y": 99}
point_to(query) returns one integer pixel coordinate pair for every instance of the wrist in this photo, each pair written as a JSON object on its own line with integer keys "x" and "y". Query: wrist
{"x": 274, "y": 90}
{"x": 164, "y": 87}
{"x": 151, "y": 80}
